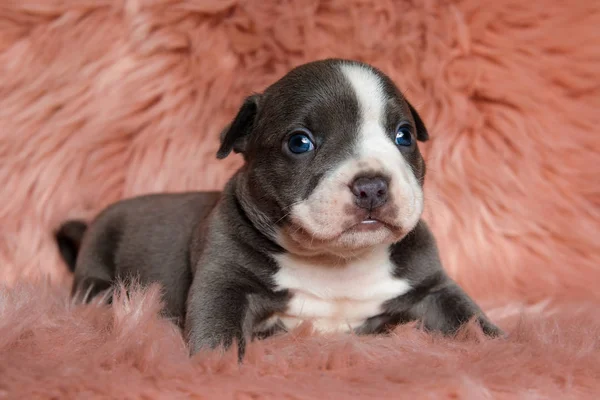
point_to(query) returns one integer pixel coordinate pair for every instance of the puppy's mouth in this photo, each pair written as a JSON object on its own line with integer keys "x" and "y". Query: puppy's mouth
{"x": 361, "y": 224}
{"x": 369, "y": 224}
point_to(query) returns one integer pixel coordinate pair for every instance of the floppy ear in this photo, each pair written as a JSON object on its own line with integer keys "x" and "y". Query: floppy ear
{"x": 235, "y": 135}
{"x": 422, "y": 133}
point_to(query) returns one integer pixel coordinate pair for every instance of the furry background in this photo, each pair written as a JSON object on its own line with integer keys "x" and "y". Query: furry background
{"x": 105, "y": 99}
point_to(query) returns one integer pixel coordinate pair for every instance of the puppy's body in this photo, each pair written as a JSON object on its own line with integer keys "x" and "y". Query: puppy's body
{"x": 147, "y": 239}
{"x": 321, "y": 224}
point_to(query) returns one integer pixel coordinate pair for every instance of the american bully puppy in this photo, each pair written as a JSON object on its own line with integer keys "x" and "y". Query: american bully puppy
{"x": 322, "y": 223}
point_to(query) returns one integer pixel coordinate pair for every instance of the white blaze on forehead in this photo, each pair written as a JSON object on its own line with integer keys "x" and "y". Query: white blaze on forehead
{"x": 376, "y": 146}
{"x": 369, "y": 91}
{"x": 374, "y": 142}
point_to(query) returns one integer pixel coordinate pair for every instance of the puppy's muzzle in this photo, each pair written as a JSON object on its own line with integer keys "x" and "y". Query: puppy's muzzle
{"x": 370, "y": 192}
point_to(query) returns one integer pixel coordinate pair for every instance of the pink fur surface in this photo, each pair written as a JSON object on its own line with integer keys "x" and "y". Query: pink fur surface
{"x": 106, "y": 99}
{"x": 50, "y": 348}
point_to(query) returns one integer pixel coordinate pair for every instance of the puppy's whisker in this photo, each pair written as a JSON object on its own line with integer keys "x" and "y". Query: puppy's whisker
{"x": 312, "y": 239}
{"x": 282, "y": 218}
{"x": 298, "y": 228}
{"x": 292, "y": 205}
{"x": 288, "y": 213}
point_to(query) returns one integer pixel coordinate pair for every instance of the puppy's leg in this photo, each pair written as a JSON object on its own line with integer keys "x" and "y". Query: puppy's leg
{"x": 224, "y": 308}
{"x": 216, "y": 314}
{"x": 435, "y": 299}
{"x": 447, "y": 307}
{"x": 438, "y": 304}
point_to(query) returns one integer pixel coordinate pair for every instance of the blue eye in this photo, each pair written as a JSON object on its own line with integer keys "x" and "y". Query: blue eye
{"x": 403, "y": 137}
{"x": 300, "y": 143}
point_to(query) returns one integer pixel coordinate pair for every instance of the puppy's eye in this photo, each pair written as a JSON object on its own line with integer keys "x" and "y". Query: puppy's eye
{"x": 403, "y": 137}
{"x": 300, "y": 143}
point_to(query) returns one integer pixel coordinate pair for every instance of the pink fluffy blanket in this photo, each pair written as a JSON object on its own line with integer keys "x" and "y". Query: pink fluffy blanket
{"x": 101, "y": 100}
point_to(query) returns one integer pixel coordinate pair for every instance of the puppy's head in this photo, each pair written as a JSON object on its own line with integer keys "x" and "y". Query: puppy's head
{"x": 332, "y": 162}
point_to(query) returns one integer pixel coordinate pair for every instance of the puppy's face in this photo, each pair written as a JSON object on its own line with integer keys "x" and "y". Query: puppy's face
{"x": 332, "y": 162}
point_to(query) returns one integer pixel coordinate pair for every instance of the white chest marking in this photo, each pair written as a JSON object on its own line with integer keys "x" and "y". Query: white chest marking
{"x": 337, "y": 298}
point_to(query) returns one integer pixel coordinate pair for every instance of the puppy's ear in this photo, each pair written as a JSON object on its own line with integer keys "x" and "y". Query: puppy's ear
{"x": 235, "y": 135}
{"x": 422, "y": 134}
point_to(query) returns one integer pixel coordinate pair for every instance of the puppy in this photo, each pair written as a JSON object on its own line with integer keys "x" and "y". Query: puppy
{"x": 322, "y": 223}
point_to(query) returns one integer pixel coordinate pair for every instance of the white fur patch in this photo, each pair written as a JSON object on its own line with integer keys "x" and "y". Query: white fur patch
{"x": 337, "y": 298}
{"x": 377, "y": 148}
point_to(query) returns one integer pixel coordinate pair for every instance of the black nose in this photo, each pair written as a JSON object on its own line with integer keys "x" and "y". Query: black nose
{"x": 370, "y": 193}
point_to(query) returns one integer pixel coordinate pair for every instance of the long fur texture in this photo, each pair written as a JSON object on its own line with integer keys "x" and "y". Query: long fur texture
{"x": 50, "y": 348}
{"x": 101, "y": 100}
